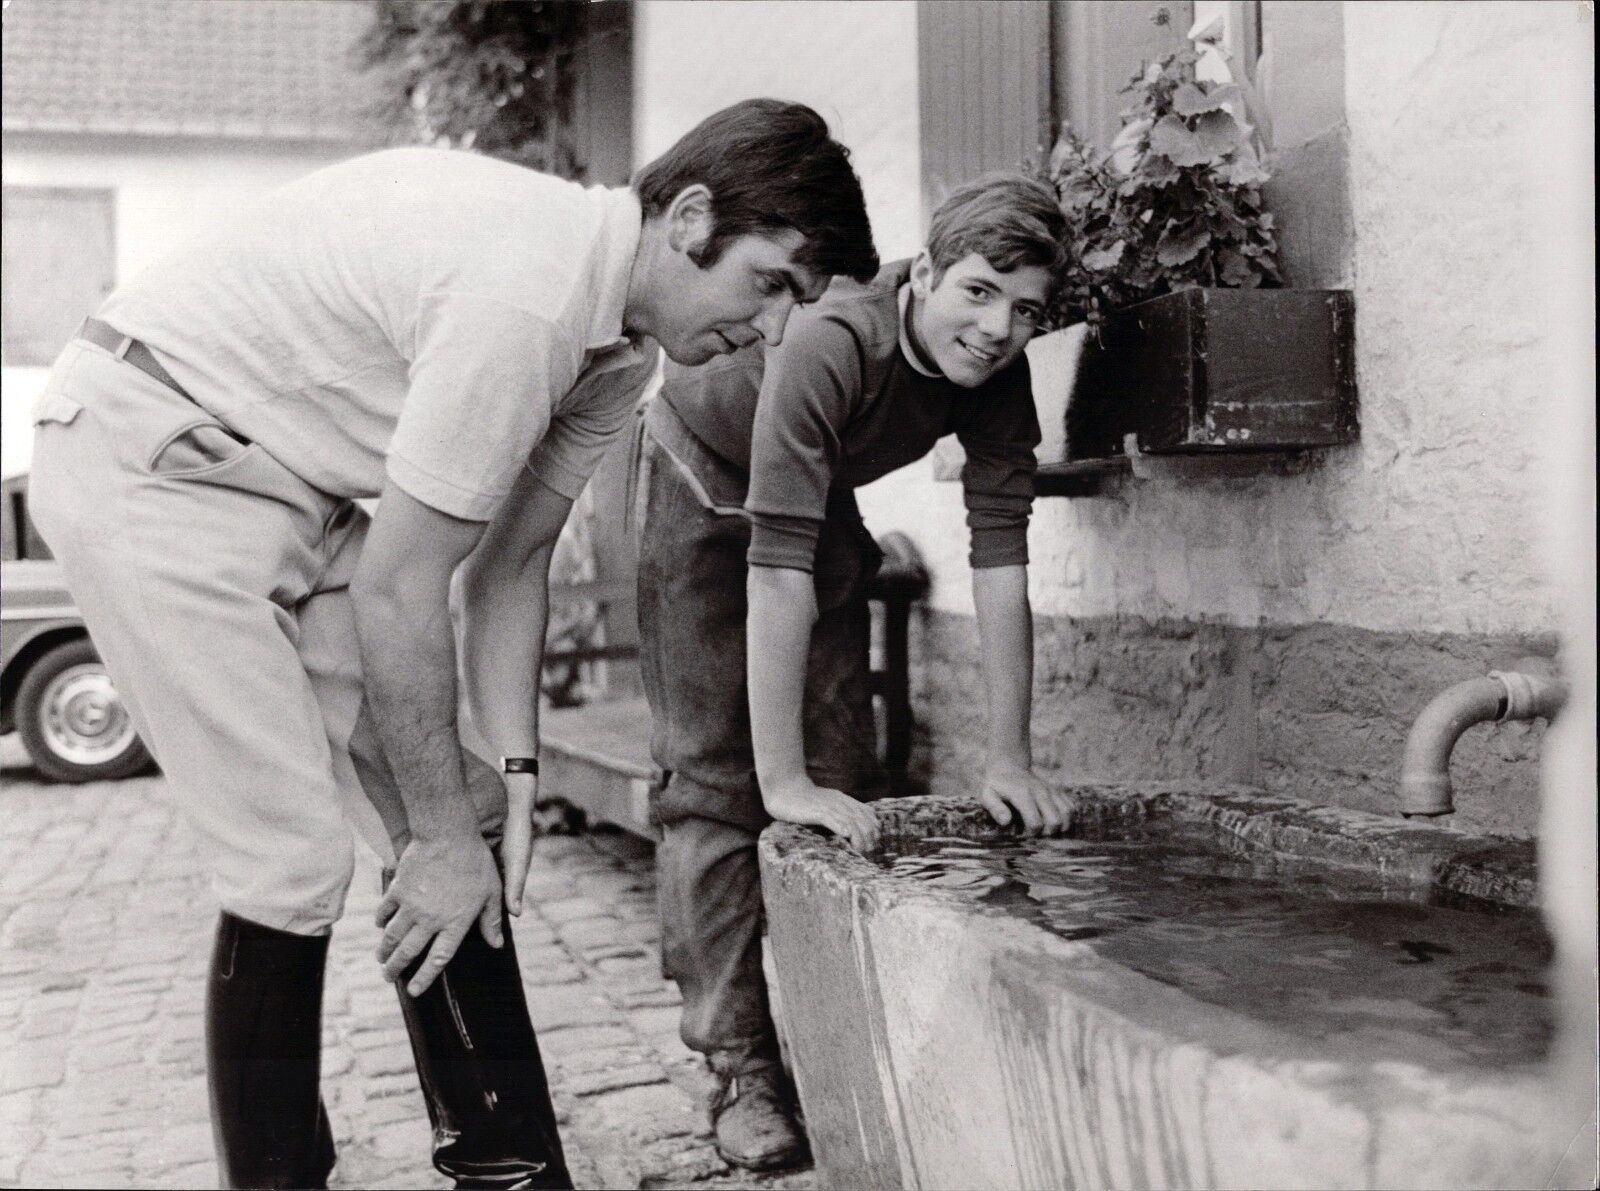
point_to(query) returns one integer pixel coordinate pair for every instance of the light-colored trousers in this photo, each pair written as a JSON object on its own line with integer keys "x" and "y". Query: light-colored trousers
{"x": 218, "y": 597}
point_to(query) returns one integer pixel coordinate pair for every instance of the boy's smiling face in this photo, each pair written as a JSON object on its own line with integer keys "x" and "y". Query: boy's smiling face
{"x": 974, "y": 322}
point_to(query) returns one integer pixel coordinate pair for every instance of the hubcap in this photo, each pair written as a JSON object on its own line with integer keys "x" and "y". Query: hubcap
{"x": 83, "y": 719}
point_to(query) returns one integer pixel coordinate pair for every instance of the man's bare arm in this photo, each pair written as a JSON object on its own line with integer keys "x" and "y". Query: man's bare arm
{"x": 446, "y": 879}
{"x": 782, "y": 609}
{"x": 504, "y": 613}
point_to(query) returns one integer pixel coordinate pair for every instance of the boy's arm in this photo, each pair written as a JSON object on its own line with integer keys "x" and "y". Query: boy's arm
{"x": 1005, "y": 637}
{"x": 808, "y": 390}
{"x": 782, "y": 609}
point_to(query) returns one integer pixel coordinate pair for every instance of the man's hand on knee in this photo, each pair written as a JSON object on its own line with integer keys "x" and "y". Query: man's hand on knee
{"x": 440, "y": 888}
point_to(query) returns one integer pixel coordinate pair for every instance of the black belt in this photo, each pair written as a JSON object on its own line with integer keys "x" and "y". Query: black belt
{"x": 129, "y": 350}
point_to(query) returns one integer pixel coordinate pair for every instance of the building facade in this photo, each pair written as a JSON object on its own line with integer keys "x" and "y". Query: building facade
{"x": 1281, "y": 626}
{"x": 133, "y": 128}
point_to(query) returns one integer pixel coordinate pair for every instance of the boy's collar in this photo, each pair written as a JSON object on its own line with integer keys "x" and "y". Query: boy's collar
{"x": 908, "y": 344}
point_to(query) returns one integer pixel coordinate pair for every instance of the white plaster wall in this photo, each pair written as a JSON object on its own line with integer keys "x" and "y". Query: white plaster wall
{"x": 854, "y": 62}
{"x": 1567, "y": 831}
{"x": 166, "y": 192}
{"x": 1431, "y": 522}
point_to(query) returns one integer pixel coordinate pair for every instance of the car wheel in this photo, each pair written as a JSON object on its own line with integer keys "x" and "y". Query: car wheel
{"x": 72, "y": 722}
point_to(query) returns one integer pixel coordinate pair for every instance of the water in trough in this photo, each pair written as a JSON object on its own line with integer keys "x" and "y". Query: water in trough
{"x": 1327, "y": 954}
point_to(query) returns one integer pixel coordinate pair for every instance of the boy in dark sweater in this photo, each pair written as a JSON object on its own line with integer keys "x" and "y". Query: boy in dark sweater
{"x": 753, "y": 572}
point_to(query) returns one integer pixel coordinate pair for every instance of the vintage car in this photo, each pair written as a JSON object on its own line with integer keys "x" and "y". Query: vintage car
{"x": 54, "y": 690}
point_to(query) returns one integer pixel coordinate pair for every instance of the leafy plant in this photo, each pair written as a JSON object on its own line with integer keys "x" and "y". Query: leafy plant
{"x": 491, "y": 75}
{"x": 1175, "y": 204}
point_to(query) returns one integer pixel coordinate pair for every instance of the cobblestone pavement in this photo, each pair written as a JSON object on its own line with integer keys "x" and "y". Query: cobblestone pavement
{"x": 105, "y": 928}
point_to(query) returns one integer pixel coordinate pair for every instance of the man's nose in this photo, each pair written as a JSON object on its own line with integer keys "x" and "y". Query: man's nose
{"x": 773, "y": 319}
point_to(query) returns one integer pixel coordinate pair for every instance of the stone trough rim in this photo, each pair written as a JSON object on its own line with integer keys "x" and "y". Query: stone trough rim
{"x": 1134, "y": 999}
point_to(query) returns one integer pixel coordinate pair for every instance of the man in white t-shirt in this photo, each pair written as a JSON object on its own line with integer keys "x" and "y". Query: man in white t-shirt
{"x": 462, "y": 337}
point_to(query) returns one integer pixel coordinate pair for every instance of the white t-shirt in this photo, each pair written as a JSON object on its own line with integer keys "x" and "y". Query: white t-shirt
{"x": 436, "y": 316}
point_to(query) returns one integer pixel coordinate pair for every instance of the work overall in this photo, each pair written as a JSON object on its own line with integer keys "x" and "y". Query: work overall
{"x": 215, "y": 584}
{"x": 692, "y": 611}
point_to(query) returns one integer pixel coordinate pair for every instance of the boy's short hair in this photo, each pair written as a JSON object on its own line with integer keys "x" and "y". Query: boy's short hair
{"x": 770, "y": 166}
{"x": 1009, "y": 219}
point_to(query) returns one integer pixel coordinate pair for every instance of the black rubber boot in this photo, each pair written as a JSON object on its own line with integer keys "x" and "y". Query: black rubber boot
{"x": 264, "y": 1056}
{"x": 482, "y": 1078}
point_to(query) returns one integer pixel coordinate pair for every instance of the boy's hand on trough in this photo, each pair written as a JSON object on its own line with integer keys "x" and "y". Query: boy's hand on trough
{"x": 1010, "y": 789}
{"x": 803, "y": 801}
{"x": 441, "y": 887}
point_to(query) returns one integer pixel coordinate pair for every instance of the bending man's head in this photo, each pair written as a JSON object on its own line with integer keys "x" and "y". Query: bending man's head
{"x": 751, "y": 213}
{"x": 770, "y": 167}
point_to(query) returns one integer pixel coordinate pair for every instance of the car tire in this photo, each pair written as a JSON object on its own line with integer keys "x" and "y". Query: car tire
{"x": 73, "y": 724}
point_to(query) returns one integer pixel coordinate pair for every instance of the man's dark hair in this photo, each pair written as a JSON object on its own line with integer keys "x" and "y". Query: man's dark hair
{"x": 770, "y": 166}
{"x": 1008, "y": 219}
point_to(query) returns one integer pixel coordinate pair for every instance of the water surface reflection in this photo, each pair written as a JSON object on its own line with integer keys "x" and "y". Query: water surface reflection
{"x": 1326, "y": 953}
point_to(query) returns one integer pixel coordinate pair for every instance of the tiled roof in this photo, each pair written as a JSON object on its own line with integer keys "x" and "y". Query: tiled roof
{"x": 217, "y": 68}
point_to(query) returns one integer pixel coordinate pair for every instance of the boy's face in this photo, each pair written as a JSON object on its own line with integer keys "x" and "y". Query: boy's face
{"x": 975, "y": 322}
{"x": 748, "y": 294}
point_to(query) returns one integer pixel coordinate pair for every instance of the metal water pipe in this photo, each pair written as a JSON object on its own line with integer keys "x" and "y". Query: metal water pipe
{"x": 1530, "y": 691}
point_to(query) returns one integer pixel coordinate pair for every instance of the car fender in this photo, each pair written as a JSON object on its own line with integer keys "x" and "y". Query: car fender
{"x": 36, "y": 614}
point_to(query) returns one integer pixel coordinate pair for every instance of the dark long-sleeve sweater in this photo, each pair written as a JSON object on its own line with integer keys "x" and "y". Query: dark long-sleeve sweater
{"x": 839, "y": 405}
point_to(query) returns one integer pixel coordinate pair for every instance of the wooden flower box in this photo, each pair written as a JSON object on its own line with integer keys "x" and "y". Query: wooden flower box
{"x": 1211, "y": 371}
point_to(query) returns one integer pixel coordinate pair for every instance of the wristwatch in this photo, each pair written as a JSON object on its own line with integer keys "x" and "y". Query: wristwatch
{"x": 520, "y": 765}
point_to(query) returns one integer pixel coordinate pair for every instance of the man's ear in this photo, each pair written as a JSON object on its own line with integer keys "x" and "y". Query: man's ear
{"x": 922, "y": 274}
{"x": 689, "y": 220}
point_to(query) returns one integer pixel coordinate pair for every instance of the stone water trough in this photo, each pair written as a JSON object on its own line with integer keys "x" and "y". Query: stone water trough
{"x": 1036, "y": 1024}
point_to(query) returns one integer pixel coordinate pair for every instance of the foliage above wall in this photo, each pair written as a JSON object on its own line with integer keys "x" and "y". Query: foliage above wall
{"x": 1176, "y": 203}
{"x": 495, "y": 77}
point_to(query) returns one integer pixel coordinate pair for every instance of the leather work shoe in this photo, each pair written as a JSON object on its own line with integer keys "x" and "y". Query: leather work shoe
{"x": 753, "y": 1117}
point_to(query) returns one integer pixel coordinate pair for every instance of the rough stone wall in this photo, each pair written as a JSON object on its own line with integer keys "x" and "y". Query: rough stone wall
{"x": 1311, "y": 711}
